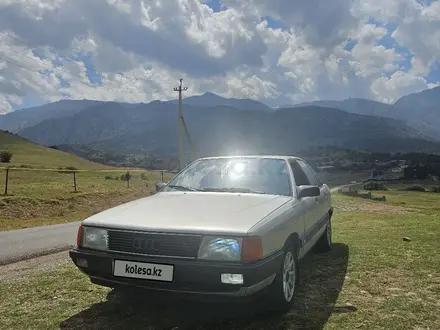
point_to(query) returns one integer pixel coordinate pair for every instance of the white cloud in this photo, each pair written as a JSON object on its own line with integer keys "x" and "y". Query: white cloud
{"x": 141, "y": 48}
{"x": 399, "y": 84}
{"x": 420, "y": 32}
{"x": 322, "y": 24}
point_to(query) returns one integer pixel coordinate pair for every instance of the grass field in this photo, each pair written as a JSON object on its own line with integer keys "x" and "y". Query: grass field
{"x": 372, "y": 279}
{"x": 42, "y": 197}
{"x": 37, "y": 196}
{"x": 28, "y": 154}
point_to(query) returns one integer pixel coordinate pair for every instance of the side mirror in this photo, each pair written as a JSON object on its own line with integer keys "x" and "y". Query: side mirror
{"x": 160, "y": 185}
{"x": 308, "y": 191}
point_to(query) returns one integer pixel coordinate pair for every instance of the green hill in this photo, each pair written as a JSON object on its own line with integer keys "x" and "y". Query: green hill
{"x": 37, "y": 196}
{"x": 28, "y": 154}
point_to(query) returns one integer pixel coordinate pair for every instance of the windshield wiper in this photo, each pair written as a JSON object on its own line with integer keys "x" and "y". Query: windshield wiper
{"x": 183, "y": 188}
{"x": 233, "y": 189}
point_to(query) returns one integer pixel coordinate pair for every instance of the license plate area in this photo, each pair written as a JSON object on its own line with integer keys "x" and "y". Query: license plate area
{"x": 143, "y": 270}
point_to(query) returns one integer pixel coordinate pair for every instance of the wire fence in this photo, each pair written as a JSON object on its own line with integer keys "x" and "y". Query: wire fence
{"x": 35, "y": 182}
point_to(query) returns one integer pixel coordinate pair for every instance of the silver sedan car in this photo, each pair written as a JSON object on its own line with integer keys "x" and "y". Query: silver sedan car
{"x": 223, "y": 226}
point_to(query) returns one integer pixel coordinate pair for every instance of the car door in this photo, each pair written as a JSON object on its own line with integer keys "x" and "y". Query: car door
{"x": 309, "y": 204}
{"x": 325, "y": 192}
{"x": 322, "y": 201}
{"x": 316, "y": 181}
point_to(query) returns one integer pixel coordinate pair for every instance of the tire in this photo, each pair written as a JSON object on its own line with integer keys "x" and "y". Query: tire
{"x": 281, "y": 291}
{"x": 324, "y": 243}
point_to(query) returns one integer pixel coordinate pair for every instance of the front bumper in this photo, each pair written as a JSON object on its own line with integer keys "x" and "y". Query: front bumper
{"x": 190, "y": 276}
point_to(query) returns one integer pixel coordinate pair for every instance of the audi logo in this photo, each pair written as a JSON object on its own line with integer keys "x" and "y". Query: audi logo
{"x": 146, "y": 244}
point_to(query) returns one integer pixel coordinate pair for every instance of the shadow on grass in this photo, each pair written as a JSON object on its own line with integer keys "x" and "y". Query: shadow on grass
{"x": 322, "y": 277}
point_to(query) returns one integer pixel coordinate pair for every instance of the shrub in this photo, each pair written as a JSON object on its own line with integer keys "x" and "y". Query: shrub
{"x": 436, "y": 189}
{"x": 143, "y": 176}
{"x": 377, "y": 186}
{"x": 5, "y": 156}
{"x": 108, "y": 177}
{"x": 71, "y": 168}
{"x": 415, "y": 188}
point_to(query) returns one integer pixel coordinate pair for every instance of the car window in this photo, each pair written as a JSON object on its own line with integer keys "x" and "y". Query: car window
{"x": 311, "y": 176}
{"x": 299, "y": 175}
{"x": 320, "y": 183}
{"x": 244, "y": 175}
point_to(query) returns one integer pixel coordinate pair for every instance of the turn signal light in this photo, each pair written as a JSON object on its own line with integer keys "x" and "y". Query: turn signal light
{"x": 252, "y": 249}
{"x": 79, "y": 235}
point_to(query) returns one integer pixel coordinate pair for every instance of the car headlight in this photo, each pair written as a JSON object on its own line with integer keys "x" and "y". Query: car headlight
{"x": 94, "y": 238}
{"x": 220, "y": 249}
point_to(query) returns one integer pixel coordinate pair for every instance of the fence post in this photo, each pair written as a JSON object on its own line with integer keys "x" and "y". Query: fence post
{"x": 6, "y": 181}
{"x": 74, "y": 180}
{"x": 162, "y": 176}
{"x": 128, "y": 179}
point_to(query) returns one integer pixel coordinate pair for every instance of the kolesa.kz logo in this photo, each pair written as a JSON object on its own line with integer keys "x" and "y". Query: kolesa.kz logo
{"x": 143, "y": 270}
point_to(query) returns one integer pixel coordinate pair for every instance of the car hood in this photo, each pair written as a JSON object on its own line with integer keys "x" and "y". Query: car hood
{"x": 190, "y": 212}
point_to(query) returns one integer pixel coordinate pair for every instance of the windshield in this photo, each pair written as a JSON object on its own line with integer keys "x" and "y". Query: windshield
{"x": 244, "y": 175}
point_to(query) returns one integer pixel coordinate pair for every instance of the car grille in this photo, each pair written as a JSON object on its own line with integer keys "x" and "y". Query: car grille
{"x": 171, "y": 245}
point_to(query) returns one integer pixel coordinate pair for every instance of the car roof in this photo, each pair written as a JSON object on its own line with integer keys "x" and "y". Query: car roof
{"x": 282, "y": 157}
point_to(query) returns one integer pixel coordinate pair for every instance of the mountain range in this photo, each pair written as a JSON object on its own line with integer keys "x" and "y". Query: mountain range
{"x": 418, "y": 110}
{"x": 220, "y": 125}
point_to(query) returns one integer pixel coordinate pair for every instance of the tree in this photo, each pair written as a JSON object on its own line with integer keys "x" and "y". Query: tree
{"x": 5, "y": 156}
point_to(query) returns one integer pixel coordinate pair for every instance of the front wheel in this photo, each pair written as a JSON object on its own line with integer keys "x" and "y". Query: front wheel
{"x": 283, "y": 288}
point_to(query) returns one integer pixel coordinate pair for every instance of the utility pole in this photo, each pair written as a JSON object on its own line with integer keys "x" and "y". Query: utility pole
{"x": 180, "y": 89}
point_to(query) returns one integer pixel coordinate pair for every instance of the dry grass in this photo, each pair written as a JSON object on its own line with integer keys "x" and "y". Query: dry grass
{"x": 38, "y": 198}
{"x": 28, "y": 154}
{"x": 372, "y": 279}
{"x": 22, "y": 269}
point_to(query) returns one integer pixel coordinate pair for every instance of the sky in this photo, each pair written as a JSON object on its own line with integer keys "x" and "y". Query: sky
{"x": 279, "y": 51}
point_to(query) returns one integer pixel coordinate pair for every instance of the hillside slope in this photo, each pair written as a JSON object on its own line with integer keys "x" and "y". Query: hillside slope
{"x": 354, "y": 105}
{"x": 33, "y": 155}
{"x": 27, "y": 117}
{"x": 214, "y": 100}
{"x": 218, "y": 130}
{"x": 419, "y": 110}
{"x": 22, "y": 118}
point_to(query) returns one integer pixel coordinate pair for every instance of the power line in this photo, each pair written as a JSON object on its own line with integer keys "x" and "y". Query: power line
{"x": 182, "y": 125}
{"x": 40, "y": 61}
{"x": 63, "y": 57}
{"x": 80, "y": 82}
{"x": 34, "y": 47}
{"x": 19, "y": 65}
{"x": 62, "y": 70}
{"x": 180, "y": 89}
{"x": 55, "y": 68}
